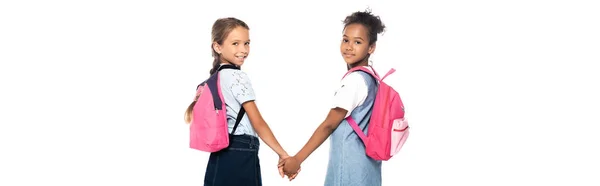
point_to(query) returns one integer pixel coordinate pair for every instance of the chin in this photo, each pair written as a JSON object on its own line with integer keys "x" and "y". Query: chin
{"x": 237, "y": 63}
{"x": 351, "y": 62}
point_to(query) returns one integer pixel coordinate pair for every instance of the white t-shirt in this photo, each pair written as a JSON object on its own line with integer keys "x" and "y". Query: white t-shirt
{"x": 237, "y": 89}
{"x": 351, "y": 92}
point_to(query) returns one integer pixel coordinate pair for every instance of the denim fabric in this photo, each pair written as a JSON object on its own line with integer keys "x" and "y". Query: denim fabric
{"x": 237, "y": 165}
{"x": 348, "y": 163}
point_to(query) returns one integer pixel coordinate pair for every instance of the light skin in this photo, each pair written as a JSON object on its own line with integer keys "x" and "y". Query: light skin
{"x": 235, "y": 47}
{"x": 355, "y": 49}
{"x": 235, "y": 50}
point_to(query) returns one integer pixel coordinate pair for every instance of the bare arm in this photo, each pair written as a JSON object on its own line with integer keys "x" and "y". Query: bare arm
{"x": 333, "y": 120}
{"x": 262, "y": 129}
{"x": 352, "y": 91}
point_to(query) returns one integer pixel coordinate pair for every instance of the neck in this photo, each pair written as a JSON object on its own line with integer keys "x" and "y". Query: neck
{"x": 223, "y": 62}
{"x": 364, "y": 62}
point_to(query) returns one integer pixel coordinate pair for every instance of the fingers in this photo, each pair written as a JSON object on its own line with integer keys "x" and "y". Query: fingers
{"x": 282, "y": 162}
{"x": 289, "y": 174}
{"x": 297, "y": 172}
{"x": 286, "y": 166}
{"x": 293, "y": 176}
{"x": 280, "y": 166}
{"x": 281, "y": 172}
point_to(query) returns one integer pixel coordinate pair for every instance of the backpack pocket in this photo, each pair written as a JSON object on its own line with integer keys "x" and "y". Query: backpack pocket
{"x": 399, "y": 135}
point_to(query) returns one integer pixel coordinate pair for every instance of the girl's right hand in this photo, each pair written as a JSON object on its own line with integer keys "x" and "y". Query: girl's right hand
{"x": 290, "y": 166}
{"x": 281, "y": 159}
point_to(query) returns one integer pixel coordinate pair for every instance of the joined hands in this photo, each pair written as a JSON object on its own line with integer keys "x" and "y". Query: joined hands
{"x": 289, "y": 166}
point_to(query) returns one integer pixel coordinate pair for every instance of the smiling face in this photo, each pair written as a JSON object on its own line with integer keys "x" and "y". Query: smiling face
{"x": 235, "y": 48}
{"x": 355, "y": 46}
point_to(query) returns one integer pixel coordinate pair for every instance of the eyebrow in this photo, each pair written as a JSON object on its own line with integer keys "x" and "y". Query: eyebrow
{"x": 237, "y": 40}
{"x": 355, "y": 37}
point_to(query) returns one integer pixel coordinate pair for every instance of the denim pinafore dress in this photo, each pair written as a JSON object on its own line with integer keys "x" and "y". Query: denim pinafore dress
{"x": 348, "y": 163}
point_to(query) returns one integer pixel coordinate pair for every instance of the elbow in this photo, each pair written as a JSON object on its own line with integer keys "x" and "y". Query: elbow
{"x": 329, "y": 128}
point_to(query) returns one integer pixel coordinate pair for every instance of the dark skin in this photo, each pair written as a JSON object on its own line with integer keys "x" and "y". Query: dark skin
{"x": 355, "y": 50}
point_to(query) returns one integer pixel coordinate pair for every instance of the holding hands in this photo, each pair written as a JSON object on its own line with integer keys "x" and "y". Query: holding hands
{"x": 289, "y": 166}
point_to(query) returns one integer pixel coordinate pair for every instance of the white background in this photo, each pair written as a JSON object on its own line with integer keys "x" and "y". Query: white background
{"x": 497, "y": 92}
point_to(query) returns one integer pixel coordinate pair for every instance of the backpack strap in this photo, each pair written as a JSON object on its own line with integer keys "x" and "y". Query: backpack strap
{"x": 228, "y": 66}
{"x": 357, "y": 129}
{"x": 242, "y": 111}
{"x": 362, "y": 68}
{"x": 238, "y": 119}
{"x": 373, "y": 74}
{"x": 350, "y": 120}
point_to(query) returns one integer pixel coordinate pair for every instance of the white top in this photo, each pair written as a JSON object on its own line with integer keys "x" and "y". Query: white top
{"x": 351, "y": 92}
{"x": 237, "y": 89}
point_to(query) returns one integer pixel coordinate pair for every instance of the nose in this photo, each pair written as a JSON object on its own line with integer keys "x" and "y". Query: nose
{"x": 244, "y": 49}
{"x": 348, "y": 47}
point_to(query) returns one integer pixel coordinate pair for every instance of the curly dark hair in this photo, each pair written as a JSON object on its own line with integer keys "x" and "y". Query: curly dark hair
{"x": 372, "y": 22}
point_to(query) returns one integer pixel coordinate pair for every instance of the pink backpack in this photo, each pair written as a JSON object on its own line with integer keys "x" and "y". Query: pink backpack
{"x": 208, "y": 128}
{"x": 388, "y": 129}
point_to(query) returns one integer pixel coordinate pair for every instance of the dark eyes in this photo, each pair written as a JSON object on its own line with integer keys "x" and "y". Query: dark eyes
{"x": 346, "y": 40}
{"x": 236, "y": 43}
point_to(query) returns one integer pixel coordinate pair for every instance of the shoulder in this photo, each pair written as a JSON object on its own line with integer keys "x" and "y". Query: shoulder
{"x": 354, "y": 83}
{"x": 357, "y": 77}
{"x": 233, "y": 71}
{"x": 234, "y": 75}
